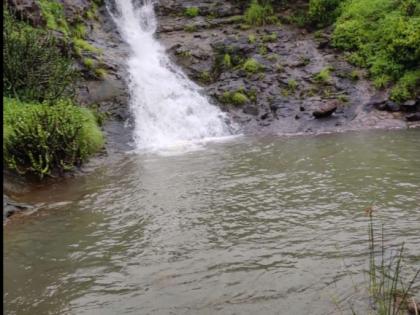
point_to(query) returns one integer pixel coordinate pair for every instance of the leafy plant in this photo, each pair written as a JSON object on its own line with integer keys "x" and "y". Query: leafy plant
{"x": 252, "y": 66}
{"x": 259, "y": 13}
{"x": 324, "y": 76}
{"x": 34, "y": 67}
{"x": 41, "y": 139}
{"x": 192, "y": 12}
{"x": 383, "y": 36}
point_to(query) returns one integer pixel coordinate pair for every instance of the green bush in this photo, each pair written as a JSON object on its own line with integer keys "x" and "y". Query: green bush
{"x": 41, "y": 139}
{"x": 383, "y": 36}
{"x": 34, "y": 67}
{"x": 252, "y": 66}
{"x": 406, "y": 86}
{"x": 323, "y": 12}
{"x": 192, "y": 12}
{"x": 259, "y": 13}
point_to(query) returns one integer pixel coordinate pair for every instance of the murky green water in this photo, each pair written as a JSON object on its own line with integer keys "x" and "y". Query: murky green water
{"x": 250, "y": 226}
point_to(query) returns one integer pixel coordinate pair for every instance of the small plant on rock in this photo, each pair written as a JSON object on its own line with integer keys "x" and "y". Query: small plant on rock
{"x": 260, "y": 14}
{"x": 252, "y": 66}
{"x": 192, "y": 12}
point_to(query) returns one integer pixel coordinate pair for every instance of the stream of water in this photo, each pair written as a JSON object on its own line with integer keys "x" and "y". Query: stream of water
{"x": 249, "y": 226}
{"x": 168, "y": 108}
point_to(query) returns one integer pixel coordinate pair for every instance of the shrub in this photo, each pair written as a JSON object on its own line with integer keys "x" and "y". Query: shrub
{"x": 406, "y": 86}
{"x": 41, "y": 139}
{"x": 34, "y": 68}
{"x": 323, "y": 12}
{"x": 252, "y": 66}
{"x": 192, "y": 12}
{"x": 259, "y": 14}
{"x": 382, "y": 36}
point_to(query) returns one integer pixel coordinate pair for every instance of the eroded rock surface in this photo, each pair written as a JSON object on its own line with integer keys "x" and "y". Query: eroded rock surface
{"x": 299, "y": 76}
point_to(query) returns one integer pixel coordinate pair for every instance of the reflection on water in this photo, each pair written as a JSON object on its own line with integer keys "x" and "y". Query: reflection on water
{"x": 272, "y": 225}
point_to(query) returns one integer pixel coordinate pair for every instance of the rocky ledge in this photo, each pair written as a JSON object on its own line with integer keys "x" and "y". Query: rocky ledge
{"x": 274, "y": 79}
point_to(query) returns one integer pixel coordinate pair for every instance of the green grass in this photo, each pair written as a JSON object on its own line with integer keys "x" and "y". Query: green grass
{"x": 292, "y": 85}
{"x": 227, "y": 61}
{"x": 53, "y": 14}
{"x": 41, "y": 139}
{"x": 324, "y": 76}
{"x": 387, "y": 285}
{"x": 259, "y": 14}
{"x": 192, "y": 12}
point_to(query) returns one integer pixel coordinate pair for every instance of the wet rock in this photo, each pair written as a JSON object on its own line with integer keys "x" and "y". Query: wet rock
{"x": 377, "y": 101}
{"x": 392, "y": 106}
{"x": 413, "y": 117}
{"x": 326, "y": 110}
{"x": 264, "y": 116}
{"x": 409, "y": 106}
{"x": 11, "y": 207}
{"x": 251, "y": 110}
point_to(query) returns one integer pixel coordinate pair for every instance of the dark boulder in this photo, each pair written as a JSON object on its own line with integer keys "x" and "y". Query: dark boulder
{"x": 409, "y": 106}
{"x": 413, "y": 117}
{"x": 326, "y": 110}
{"x": 392, "y": 106}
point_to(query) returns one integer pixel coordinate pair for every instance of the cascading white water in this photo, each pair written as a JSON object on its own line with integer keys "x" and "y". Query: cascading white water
{"x": 168, "y": 108}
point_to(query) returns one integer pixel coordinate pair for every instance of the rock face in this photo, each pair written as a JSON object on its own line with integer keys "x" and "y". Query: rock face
{"x": 287, "y": 93}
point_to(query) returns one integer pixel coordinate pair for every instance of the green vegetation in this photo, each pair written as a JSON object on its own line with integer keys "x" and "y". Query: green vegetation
{"x": 191, "y": 28}
{"x": 237, "y": 98}
{"x": 324, "y": 76}
{"x": 323, "y": 12}
{"x": 391, "y": 294}
{"x": 252, "y": 66}
{"x": 53, "y": 13}
{"x": 292, "y": 85}
{"x": 252, "y": 39}
{"x": 227, "y": 61}
{"x": 41, "y": 139}
{"x": 259, "y": 13}
{"x": 270, "y": 38}
{"x": 192, "y": 12}
{"x": 44, "y": 132}
{"x": 383, "y": 36}
{"x": 34, "y": 68}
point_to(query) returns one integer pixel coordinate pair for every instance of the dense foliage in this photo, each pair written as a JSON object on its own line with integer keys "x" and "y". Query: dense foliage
{"x": 34, "y": 68}
{"x": 40, "y": 139}
{"x": 44, "y": 133}
{"x": 383, "y": 36}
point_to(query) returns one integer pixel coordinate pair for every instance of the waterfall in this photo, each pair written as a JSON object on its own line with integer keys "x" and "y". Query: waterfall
{"x": 167, "y": 107}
